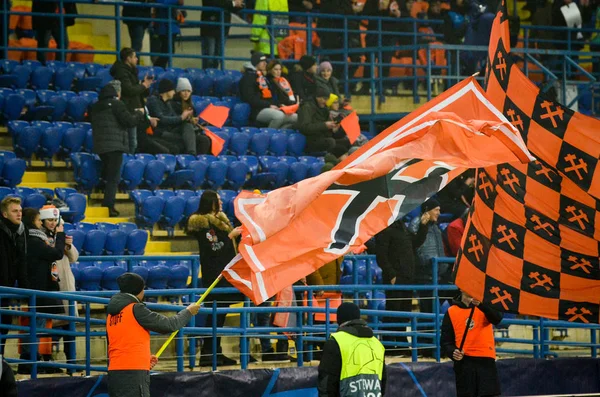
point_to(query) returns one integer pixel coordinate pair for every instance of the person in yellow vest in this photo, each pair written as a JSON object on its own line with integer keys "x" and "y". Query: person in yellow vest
{"x": 265, "y": 27}
{"x": 128, "y": 327}
{"x": 475, "y": 363}
{"x": 353, "y": 363}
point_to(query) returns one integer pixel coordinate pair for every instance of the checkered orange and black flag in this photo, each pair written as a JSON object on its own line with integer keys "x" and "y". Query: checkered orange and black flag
{"x": 531, "y": 244}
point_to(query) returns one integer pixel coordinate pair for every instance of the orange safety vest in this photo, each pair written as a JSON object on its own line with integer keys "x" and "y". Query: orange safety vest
{"x": 128, "y": 342}
{"x": 480, "y": 338}
{"x": 286, "y": 87}
{"x": 263, "y": 85}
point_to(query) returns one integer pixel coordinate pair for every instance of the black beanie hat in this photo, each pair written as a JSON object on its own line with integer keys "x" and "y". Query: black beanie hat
{"x": 347, "y": 311}
{"x": 165, "y": 85}
{"x": 322, "y": 91}
{"x": 307, "y": 61}
{"x": 130, "y": 283}
{"x": 430, "y": 204}
{"x": 257, "y": 58}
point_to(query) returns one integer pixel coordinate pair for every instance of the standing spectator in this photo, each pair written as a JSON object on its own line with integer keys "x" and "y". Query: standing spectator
{"x": 8, "y": 385}
{"x": 353, "y": 362}
{"x": 396, "y": 249}
{"x": 210, "y": 35}
{"x": 304, "y": 81}
{"x": 215, "y": 235}
{"x": 269, "y": 30}
{"x": 50, "y": 217}
{"x": 454, "y": 233}
{"x": 46, "y": 27}
{"x": 172, "y": 127}
{"x": 183, "y": 102}
{"x": 167, "y": 30}
{"x": 129, "y": 320}
{"x": 137, "y": 28}
{"x": 110, "y": 124}
{"x": 43, "y": 275}
{"x": 13, "y": 261}
{"x": 256, "y": 91}
{"x": 283, "y": 95}
{"x": 314, "y": 122}
{"x": 474, "y": 365}
{"x": 133, "y": 93}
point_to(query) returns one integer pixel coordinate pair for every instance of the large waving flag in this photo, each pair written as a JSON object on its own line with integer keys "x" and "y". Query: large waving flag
{"x": 532, "y": 242}
{"x": 293, "y": 231}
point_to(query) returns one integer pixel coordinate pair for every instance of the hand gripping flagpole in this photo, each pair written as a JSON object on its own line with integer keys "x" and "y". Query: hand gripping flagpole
{"x": 202, "y": 298}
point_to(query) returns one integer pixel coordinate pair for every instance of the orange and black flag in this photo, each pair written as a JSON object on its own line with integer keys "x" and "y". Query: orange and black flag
{"x": 531, "y": 244}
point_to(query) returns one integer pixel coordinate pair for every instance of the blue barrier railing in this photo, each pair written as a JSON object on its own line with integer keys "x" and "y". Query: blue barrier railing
{"x": 423, "y": 329}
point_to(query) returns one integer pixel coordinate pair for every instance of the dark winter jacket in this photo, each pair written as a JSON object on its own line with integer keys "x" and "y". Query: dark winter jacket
{"x": 13, "y": 261}
{"x": 432, "y": 247}
{"x": 110, "y": 121}
{"x": 169, "y": 120}
{"x": 396, "y": 249}
{"x": 330, "y": 366}
{"x": 311, "y": 120}
{"x": 133, "y": 93}
{"x": 41, "y": 268}
{"x": 215, "y": 16}
{"x": 138, "y": 12}
{"x": 250, "y": 91}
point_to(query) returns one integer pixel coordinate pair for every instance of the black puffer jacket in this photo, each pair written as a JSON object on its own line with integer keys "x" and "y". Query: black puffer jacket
{"x": 13, "y": 262}
{"x": 110, "y": 121}
{"x": 133, "y": 93}
{"x": 41, "y": 267}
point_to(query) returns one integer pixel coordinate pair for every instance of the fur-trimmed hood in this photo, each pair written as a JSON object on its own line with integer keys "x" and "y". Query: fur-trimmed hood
{"x": 199, "y": 222}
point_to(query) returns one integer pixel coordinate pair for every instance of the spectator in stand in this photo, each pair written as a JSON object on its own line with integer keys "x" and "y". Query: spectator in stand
{"x": 314, "y": 122}
{"x": 454, "y": 233}
{"x": 183, "y": 102}
{"x": 111, "y": 122}
{"x": 137, "y": 28}
{"x": 395, "y": 251}
{"x": 43, "y": 275}
{"x": 210, "y": 35}
{"x": 172, "y": 127}
{"x": 133, "y": 93}
{"x": 50, "y": 217}
{"x": 46, "y": 27}
{"x": 305, "y": 79}
{"x": 163, "y": 29}
{"x": 283, "y": 95}
{"x": 255, "y": 90}
{"x": 269, "y": 27}
{"x": 13, "y": 261}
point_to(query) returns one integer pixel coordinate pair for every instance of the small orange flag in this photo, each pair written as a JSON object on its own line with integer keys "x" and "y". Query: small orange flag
{"x": 351, "y": 127}
{"x": 217, "y": 142}
{"x": 215, "y": 115}
{"x": 290, "y": 109}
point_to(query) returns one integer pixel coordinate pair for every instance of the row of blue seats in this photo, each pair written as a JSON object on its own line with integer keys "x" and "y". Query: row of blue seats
{"x": 27, "y": 104}
{"x": 12, "y": 169}
{"x": 98, "y": 242}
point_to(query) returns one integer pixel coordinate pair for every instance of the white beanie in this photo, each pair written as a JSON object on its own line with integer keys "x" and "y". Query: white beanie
{"x": 183, "y": 84}
{"x": 49, "y": 212}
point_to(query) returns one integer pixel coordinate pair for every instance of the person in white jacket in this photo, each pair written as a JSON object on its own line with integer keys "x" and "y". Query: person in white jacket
{"x": 50, "y": 217}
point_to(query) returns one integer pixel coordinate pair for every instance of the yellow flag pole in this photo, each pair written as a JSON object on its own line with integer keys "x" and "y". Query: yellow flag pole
{"x": 202, "y": 298}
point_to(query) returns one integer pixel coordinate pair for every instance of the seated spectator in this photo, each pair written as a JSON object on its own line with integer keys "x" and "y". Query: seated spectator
{"x": 172, "y": 127}
{"x": 256, "y": 91}
{"x": 110, "y": 124}
{"x": 282, "y": 91}
{"x": 183, "y": 102}
{"x": 304, "y": 80}
{"x": 315, "y": 123}
{"x": 454, "y": 233}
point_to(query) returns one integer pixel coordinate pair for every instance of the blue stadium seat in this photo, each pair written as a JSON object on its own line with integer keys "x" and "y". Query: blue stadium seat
{"x": 77, "y": 108}
{"x": 22, "y": 73}
{"x": 240, "y": 115}
{"x": 158, "y": 277}
{"x": 216, "y": 174}
{"x": 86, "y": 227}
{"x": 77, "y": 205}
{"x": 86, "y": 168}
{"x": 132, "y": 174}
{"x": 183, "y": 160}
{"x": 78, "y": 238}
{"x": 109, "y": 278}
{"x": 63, "y": 192}
{"x": 41, "y": 78}
{"x": 297, "y": 172}
{"x": 94, "y": 243}
{"x": 136, "y": 242}
{"x": 178, "y": 276}
{"x": 35, "y": 200}
{"x": 45, "y": 95}
{"x": 259, "y": 144}
{"x": 13, "y": 105}
{"x": 106, "y": 227}
{"x": 91, "y": 277}
{"x": 127, "y": 227}
{"x": 236, "y": 174}
{"x": 27, "y": 143}
{"x": 63, "y": 79}
{"x": 116, "y": 241}
{"x": 12, "y": 172}
{"x": 72, "y": 141}
{"x": 172, "y": 212}
{"x": 240, "y": 141}
{"x": 199, "y": 169}
{"x": 223, "y": 85}
{"x": 50, "y": 143}
{"x": 60, "y": 107}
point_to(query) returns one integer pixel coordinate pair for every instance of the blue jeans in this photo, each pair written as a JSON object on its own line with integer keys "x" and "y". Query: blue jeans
{"x": 211, "y": 46}
{"x": 40, "y": 324}
{"x": 136, "y": 34}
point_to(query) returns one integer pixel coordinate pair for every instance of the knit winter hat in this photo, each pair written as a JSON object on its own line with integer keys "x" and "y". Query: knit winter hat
{"x": 257, "y": 58}
{"x": 322, "y": 91}
{"x": 307, "y": 62}
{"x": 325, "y": 66}
{"x": 430, "y": 204}
{"x": 165, "y": 85}
{"x": 49, "y": 212}
{"x": 130, "y": 283}
{"x": 183, "y": 84}
{"x": 347, "y": 311}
